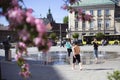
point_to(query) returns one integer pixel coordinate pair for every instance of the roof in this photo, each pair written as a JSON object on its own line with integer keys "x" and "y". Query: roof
{"x": 2, "y": 27}
{"x": 93, "y": 2}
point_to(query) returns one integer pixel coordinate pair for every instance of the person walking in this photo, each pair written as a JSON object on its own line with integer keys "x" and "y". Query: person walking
{"x": 69, "y": 48}
{"x": 76, "y": 56}
{"x": 95, "y": 45}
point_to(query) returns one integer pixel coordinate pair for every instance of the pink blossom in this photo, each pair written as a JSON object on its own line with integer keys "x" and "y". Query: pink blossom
{"x": 49, "y": 44}
{"x": 24, "y": 34}
{"x": 41, "y": 28}
{"x": 22, "y": 45}
{"x": 25, "y": 74}
{"x": 29, "y": 12}
{"x": 14, "y": 2}
{"x": 27, "y": 66}
{"x": 17, "y": 56}
{"x": 37, "y": 41}
{"x": 64, "y": 7}
{"x": 30, "y": 19}
{"x": 38, "y": 21}
{"x": 16, "y": 15}
{"x": 88, "y": 17}
{"x": 80, "y": 11}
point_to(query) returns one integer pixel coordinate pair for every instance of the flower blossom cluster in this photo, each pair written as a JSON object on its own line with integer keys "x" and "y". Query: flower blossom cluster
{"x": 79, "y": 13}
{"x": 30, "y": 30}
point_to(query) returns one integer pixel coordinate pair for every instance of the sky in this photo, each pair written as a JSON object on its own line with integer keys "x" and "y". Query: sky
{"x": 41, "y": 7}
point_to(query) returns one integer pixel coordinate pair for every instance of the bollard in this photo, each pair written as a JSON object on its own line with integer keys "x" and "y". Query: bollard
{"x": 9, "y": 55}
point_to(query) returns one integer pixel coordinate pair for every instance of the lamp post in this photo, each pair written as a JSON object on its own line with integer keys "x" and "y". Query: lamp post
{"x": 60, "y": 36}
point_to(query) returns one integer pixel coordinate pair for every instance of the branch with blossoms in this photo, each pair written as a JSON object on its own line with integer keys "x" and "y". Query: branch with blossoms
{"x": 30, "y": 31}
{"x": 79, "y": 13}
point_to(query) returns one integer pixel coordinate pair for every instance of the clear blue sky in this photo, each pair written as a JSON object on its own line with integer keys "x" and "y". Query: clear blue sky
{"x": 41, "y": 7}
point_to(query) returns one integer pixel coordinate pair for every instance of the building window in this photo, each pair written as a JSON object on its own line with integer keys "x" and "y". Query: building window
{"x": 91, "y": 12}
{"x": 83, "y": 11}
{"x": 107, "y": 24}
{"x": 99, "y": 24}
{"x": 99, "y": 13}
{"x": 91, "y": 24}
{"x": 83, "y": 25}
{"x": 107, "y": 12}
{"x": 76, "y": 24}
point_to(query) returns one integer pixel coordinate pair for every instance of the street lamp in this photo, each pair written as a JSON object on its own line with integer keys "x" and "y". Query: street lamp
{"x": 60, "y": 36}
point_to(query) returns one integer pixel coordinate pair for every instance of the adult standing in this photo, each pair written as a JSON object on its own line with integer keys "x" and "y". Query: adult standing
{"x": 95, "y": 45}
{"x": 7, "y": 45}
{"x": 76, "y": 56}
{"x": 69, "y": 48}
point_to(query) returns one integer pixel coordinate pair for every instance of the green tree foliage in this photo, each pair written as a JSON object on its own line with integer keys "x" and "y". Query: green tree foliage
{"x": 65, "y": 20}
{"x": 114, "y": 76}
{"x": 75, "y": 35}
{"x": 99, "y": 36}
{"x": 53, "y": 36}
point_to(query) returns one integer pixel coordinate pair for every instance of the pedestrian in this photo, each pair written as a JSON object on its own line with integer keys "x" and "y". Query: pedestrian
{"x": 102, "y": 42}
{"x": 7, "y": 45}
{"x": 69, "y": 48}
{"x": 76, "y": 56}
{"x": 95, "y": 45}
{"x": 62, "y": 43}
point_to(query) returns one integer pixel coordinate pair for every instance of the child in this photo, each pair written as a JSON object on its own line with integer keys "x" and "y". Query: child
{"x": 76, "y": 55}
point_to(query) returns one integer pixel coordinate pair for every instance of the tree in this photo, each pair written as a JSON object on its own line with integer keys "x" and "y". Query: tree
{"x": 53, "y": 36}
{"x": 65, "y": 20}
{"x": 99, "y": 36}
{"x": 30, "y": 28}
{"x": 114, "y": 76}
{"x": 75, "y": 35}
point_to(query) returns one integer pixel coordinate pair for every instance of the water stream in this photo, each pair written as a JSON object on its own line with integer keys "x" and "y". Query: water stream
{"x": 60, "y": 57}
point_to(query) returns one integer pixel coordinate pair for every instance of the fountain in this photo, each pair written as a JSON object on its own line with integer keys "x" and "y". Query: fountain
{"x": 60, "y": 57}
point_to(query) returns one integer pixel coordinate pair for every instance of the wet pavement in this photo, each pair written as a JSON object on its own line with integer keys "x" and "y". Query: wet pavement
{"x": 61, "y": 70}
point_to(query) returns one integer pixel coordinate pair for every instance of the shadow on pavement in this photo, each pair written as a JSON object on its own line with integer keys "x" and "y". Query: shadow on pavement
{"x": 100, "y": 69}
{"x": 10, "y": 71}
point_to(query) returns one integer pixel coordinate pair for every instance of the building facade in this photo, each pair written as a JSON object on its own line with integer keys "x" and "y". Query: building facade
{"x": 58, "y": 28}
{"x": 106, "y": 18}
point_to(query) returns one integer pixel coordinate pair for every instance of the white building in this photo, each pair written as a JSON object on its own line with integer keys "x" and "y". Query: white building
{"x": 106, "y": 18}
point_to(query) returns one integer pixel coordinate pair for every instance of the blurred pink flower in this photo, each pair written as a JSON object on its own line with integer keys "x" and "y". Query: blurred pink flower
{"x": 41, "y": 28}
{"x": 15, "y": 3}
{"x": 64, "y": 7}
{"x": 17, "y": 56}
{"x": 22, "y": 45}
{"x": 29, "y": 12}
{"x": 25, "y": 74}
{"x": 37, "y": 41}
{"x": 24, "y": 34}
{"x": 49, "y": 44}
{"x": 16, "y": 15}
{"x": 38, "y": 21}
